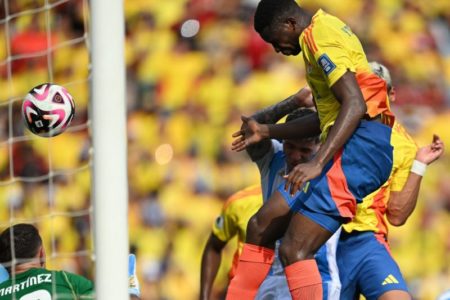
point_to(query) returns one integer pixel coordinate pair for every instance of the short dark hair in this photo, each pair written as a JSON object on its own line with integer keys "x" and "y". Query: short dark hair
{"x": 270, "y": 11}
{"x": 26, "y": 240}
{"x": 300, "y": 113}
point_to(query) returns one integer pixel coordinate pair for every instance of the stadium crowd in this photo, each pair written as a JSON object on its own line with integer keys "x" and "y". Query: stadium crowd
{"x": 193, "y": 67}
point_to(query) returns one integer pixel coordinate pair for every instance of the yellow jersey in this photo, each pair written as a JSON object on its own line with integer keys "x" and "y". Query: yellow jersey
{"x": 236, "y": 212}
{"x": 329, "y": 49}
{"x": 370, "y": 213}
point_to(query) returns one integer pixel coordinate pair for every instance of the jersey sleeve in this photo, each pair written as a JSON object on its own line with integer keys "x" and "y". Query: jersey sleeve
{"x": 225, "y": 226}
{"x": 330, "y": 52}
{"x": 264, "y": 162}
{"x": 406, "y": 156}
{"x": 400, "y": 177}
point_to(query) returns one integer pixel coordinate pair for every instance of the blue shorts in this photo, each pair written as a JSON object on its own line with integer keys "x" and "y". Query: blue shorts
{"x": 358, "y": 169}
{"x": 366, "y": 266}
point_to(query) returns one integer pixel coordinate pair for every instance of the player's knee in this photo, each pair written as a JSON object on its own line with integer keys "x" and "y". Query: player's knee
{"x": 291, "y": 251}
{"x": 261, "y": 232}
{"x": 254, "y": 230}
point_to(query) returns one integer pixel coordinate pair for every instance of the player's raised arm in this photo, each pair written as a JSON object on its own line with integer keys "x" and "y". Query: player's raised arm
{"x": 401, "y": 204}
{"x": 256, "y": 130}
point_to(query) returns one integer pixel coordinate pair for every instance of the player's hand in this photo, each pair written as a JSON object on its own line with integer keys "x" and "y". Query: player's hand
{"x": 133, "y": 282}
{"x": 251, "y": 133}
{"x": 430, "y": 153}
{"x": 301, "y": 174}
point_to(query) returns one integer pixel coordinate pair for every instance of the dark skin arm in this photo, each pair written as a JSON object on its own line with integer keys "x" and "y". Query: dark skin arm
{"x": 273, "y": 114}
{"x": 310, "y": 126}
{"x": 212, "y": 256}
{"x": 256, "y": 132}
{"x": 256, "y": 142}
{"x": 353, "y": 107}
{"x": 401, "y": 204}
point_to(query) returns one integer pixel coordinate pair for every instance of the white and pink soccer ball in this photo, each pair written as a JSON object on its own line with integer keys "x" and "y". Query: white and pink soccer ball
{"x": 48, "y": 109}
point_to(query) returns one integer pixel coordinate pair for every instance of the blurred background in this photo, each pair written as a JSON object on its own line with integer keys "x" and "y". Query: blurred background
{"x": 193, "y": 67}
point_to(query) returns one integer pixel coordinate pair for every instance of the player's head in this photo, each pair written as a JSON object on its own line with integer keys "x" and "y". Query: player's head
{"x": 277, "y": 21}
{"x": 25, "y": 241}
{"x": 300, "y": 150}
{"x": 383, "y": 72}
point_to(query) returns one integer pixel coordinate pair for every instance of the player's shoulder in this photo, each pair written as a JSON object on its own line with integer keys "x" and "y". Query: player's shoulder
{"x": 323, "y": 23}
{"x": 401, "y": 137}
{"x": 251, "y": 193}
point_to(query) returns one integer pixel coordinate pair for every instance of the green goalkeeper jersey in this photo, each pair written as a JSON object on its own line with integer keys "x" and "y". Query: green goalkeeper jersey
{"x": 42, "y": 284}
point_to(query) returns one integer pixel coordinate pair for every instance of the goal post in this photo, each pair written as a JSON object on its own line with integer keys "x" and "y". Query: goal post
{"x": 109, "y": 183}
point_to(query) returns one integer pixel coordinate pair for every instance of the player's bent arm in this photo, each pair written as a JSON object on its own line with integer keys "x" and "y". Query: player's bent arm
{"x": 273, "y": 113}
{"x": 304, "y": 127}
{"x": 212, "y": 256}
{"x": 353, "y": 108}
{"x": 401, "y": 204}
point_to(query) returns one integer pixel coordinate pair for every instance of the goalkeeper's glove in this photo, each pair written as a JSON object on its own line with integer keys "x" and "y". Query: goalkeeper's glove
{"x": 133, "y": 282}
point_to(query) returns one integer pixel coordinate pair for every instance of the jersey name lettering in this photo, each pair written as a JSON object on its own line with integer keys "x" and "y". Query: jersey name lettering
{"x": 33, "y": 280}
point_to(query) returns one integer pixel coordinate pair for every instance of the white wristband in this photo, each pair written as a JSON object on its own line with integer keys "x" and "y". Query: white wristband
{"x": 418, "y": 167}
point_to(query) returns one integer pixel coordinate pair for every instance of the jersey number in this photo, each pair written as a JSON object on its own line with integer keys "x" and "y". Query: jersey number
{"x": 37, "y": 295}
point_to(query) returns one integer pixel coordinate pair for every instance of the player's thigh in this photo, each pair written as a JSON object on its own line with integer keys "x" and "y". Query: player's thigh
{"x": 302, "y": 239}
{"x": 395, "y": 295}
{"x": 270, "y": 221}
{"x": 274, "y": 208}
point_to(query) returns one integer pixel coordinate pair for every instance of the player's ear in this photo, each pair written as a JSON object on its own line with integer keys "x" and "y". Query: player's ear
{"x": 392, "y": 94}
{"x": 291, "y": 22}
{"x": 41, "y": 256}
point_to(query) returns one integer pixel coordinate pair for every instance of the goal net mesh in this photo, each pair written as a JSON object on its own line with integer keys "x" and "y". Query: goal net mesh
{"x": 46, "y": 181}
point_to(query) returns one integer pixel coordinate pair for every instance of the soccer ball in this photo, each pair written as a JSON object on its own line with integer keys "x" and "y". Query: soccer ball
{"x": 48, "y": 109}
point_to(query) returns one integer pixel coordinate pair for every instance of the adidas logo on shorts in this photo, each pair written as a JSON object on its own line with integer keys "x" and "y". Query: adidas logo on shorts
{"x": 390, "y": 280}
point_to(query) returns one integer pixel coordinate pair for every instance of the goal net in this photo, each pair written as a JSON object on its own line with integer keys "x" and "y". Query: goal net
{"x": 47, "y": 181}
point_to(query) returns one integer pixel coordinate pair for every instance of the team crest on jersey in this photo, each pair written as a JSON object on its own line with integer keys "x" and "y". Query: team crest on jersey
{"x": 327, "y": 65}
{"x": 219, "y": 222}
{"x": 309, "y": 68}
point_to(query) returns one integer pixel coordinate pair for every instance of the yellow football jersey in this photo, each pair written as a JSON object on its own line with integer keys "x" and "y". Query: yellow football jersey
{"x": 370, "y": 213}
{"x": 236, "y": 212}
{"x": 330, "y": 49}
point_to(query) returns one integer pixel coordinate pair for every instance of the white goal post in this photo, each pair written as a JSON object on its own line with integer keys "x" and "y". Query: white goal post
{"x": 109, "y": 184}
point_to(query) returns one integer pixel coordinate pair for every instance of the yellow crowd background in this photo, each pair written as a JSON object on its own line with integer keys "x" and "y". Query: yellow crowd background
{"x": 193, "y": 67}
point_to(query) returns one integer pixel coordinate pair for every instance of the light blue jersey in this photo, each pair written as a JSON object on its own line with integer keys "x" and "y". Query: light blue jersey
{"x": 3, "y": 274}
{"x": 272, "y": 166}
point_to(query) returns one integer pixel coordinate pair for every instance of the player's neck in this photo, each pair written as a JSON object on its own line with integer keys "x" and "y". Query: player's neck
{"x": 21, "y": 268}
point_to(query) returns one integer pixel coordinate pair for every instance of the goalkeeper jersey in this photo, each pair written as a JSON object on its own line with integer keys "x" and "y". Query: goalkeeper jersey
{"x": 44, "y": 284}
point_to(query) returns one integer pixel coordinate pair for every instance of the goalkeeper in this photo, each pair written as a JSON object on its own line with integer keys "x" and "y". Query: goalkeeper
{"x": 32, "y": 280}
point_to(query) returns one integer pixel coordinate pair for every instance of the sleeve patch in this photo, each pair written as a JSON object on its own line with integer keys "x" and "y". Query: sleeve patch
{"x": 327, "y": 65}
{"x": 220, "y": 222}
